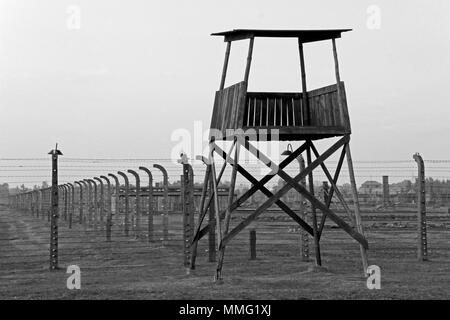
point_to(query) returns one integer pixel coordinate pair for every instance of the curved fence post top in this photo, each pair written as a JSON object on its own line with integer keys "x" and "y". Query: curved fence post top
{"x": 149, "y": 173}
{"x": 106, "y": 179}
{"x": 135, "y": 174}
{"x": 418, "y": 158}
{"x": 123, "y": 175}
{"x": 84, "y": 183}
{"x": 164, "y": 172}
{"x": 91, "y": 181}
{"x": 100, "y": 181}
{"x": 145, "y": 169}
{"x": 160, "y": 167}
{"x": 116, "y": 179}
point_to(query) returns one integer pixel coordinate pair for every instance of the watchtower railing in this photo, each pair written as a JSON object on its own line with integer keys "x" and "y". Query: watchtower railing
{"x": 234, "y": 108}
{"x": 286, "y": 109}
{"x": 266, "y": 109}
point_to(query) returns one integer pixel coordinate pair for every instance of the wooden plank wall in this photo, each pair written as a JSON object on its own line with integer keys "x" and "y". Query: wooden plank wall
{"x": 324, "y": 107}
{"x": 228, "y": 107}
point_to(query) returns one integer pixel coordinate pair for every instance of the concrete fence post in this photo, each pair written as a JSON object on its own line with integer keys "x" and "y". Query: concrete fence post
{"x": 386, "y": 200}
{"x": 109, "y": 208}
{"x": 54, "y": 210}
{"x": 80, "y": 203}
{"x": 422, "y": 246}
{"x": 127, "y": 201}
{"x": 116, "y": 199}
{"x": 137, "y": 203}
{"x": 101, "y": 202}
{"x": 149, "y": 204}
{"x": 188, "y": 210}
{"x": 304, "y": 237}
{"x": 72, "y": 204}
{"x": 165, "y": 202}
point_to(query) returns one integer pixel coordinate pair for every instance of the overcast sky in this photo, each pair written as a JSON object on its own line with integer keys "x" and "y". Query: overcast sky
{"x": 137, "y": 70}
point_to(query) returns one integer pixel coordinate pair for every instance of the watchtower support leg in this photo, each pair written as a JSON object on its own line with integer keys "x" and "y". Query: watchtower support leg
{"x": 216, "y": 199}
{"x": 211, "y": 223}
{"x": 313, "y": 209}
{"x": 358, "y": 221}
{"x": 228, "y": 210}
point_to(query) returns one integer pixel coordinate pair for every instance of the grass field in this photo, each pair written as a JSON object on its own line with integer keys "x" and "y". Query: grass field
{"x": 130, "y": 268}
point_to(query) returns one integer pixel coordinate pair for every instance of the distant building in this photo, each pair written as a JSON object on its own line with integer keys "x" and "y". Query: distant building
{"x": 371, "y": 188}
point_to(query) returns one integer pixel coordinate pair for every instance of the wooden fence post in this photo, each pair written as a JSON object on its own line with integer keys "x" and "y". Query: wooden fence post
{"x": 422, "y": 246}
{"x": 252, "y": 244}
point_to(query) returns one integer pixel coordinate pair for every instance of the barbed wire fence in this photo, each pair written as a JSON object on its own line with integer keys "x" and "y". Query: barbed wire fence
{"x": 139, "y": 213}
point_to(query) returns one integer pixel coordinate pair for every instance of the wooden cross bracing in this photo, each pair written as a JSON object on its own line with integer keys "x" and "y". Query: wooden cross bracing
{"x": 224, "y": 235}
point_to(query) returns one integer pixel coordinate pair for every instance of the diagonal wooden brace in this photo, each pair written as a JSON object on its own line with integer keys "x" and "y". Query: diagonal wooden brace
{"x": 285, "y": 189}
{"x": 330, "y": 196}
{"x": 268, "y": 193}
{"x": 258, "y": 185}
{"x": 293, "y": 183}
{"x": 333, "y": 185}
{"x": 265, "y": 179}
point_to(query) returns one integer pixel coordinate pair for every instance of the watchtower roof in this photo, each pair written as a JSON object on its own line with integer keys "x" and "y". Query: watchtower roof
{"x": 303, "y": 35}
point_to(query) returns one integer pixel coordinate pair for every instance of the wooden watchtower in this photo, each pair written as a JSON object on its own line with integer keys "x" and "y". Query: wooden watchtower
{"x": 243, "y": 117}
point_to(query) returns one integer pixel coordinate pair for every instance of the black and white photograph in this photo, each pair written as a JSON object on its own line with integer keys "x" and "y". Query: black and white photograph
{"x": 224, "y": 155}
